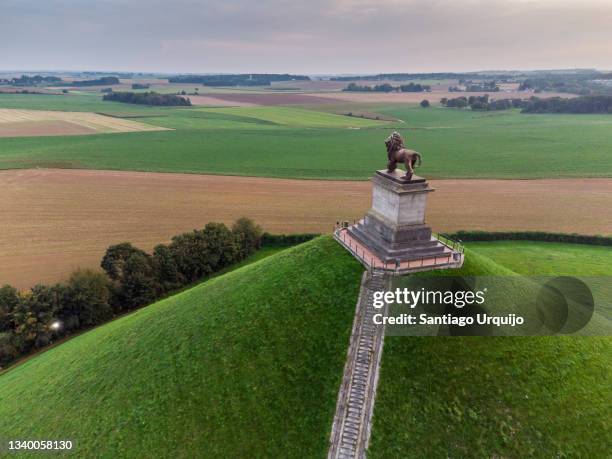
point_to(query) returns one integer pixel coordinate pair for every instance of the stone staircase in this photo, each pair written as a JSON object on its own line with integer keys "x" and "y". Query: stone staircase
{"x": 355, "y": 405}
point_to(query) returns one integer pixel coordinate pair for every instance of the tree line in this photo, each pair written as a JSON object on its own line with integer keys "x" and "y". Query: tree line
{"x": 109, "y": 80}
{"x": 132, "y": 278}
{"x": 147, "y": 98}
{"x": 470, "y": 86}
{"x": 482, "y": 103}
{"x": 245, "y": 79}
{"x": 577, "y": 105}
{"x": 386, "y": 87}
{"x": 424, "y": 76}
{"x": 531, "y": 236}
{"x": 31, "y": 80}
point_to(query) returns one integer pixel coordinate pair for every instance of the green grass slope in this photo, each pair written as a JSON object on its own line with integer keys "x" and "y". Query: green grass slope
{"x": 244, "y": 365}
{"x": 493, "y": 397}
{"x": 548, "y": 258}
{"x": 590, "y": 263}
{"x": 294, "y": 142}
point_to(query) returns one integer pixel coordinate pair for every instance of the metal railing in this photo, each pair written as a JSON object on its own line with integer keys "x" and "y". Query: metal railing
{"x": 395, "y": 266}
{"x": 449, "y": 242}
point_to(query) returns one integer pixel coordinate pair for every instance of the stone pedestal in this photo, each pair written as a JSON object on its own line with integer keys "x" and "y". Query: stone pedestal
{"x": 394, "y": 228}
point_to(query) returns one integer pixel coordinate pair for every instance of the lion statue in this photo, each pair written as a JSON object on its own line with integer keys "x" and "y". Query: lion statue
{"x": 396, "y": 153}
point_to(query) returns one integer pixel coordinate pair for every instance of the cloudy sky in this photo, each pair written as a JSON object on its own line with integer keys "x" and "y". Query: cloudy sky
{"x": 306, "y": 36}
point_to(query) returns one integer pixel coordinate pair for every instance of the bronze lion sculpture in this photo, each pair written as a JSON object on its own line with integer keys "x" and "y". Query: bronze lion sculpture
{"x": 396, "y": 153}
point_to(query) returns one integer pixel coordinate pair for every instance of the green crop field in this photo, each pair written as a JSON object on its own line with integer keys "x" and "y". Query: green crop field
{"x": 244, "y": 365}
{"x": 300, "y": 143}
{"x": 496, "y": 396}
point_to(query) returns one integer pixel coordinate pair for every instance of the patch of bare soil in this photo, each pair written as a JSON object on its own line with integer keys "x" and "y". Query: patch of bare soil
{"x": 43, "y": 128}
{"x": 22, "y": 123}
{"x": 54, "y": 221}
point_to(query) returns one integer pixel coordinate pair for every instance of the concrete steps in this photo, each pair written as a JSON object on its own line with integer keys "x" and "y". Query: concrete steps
{"x": 352, "y": 422}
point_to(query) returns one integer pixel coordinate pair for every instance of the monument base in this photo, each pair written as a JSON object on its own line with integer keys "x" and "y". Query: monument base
{"x": 394, "y": 229}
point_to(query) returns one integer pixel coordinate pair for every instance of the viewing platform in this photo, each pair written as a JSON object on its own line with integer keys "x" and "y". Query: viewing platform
{"x": 450, "y": 257}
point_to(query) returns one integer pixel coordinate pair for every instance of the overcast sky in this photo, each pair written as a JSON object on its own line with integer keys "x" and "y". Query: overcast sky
{"x": 307, "y": 36}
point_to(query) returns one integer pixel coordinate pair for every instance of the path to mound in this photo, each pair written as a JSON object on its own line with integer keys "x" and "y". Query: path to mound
{"x": 27, "y": 123}
{"x": 56, "y": 220}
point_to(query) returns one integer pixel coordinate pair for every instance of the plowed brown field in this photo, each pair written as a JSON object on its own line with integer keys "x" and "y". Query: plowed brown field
{"x": 53, "y": 221}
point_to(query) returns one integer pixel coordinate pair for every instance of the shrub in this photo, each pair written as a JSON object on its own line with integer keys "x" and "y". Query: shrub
{"x": 425, "y": 103}
{"x": 168, "y": 275}
{"x": 86, "y": 300}
{"x": 248, "y": 236}
{"x": 113, "y": 262}
{"x": 9, "y": 299}
{"x": 138, "y": 285}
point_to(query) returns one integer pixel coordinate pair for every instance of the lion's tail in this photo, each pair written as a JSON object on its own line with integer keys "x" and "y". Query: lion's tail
{"x": 418, "y": 156}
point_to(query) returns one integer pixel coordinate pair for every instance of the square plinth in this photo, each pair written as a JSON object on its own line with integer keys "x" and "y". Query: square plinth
{"x": 399, "y": 202}
{"x": 395, "y": 228}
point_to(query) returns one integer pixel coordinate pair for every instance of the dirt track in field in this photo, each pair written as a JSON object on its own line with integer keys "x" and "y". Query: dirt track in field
{"x": 53, "y": 221}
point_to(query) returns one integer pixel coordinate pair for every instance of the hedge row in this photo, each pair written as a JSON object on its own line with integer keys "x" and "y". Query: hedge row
{"x": 530, "y": 236}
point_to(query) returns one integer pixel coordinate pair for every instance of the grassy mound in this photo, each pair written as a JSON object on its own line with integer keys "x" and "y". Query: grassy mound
{"x": 246, "y": 364}
{"x": 493, "y": 397}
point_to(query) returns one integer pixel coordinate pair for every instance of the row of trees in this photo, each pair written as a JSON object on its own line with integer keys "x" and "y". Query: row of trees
{"x": 531, "y": 236}
{"x": 31, "y": 80}
{"x": 483, "y": 86}
{"x": 386, "y": 87}
{"x": 579, "y": 105}
{"x": 102, "y": 81}
{"x": 483, "y": 103}
{"x": 147, "y": 98}
{"x": 462, "y": 77}
{"x": 245, "y": 79}
{"x": 131, "y": 278}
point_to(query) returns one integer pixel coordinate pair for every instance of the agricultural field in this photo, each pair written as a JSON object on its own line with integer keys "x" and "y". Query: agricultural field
{"x": 26, "y": 123}
{"x": 57, "y": 220}
{"x": 292, "y": 142}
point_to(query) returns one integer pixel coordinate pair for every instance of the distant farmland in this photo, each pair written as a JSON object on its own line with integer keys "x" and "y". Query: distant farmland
{"x": 292, "y": 142}
{"x": 26, "y": 123}
{"x": 57, "y": 220}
